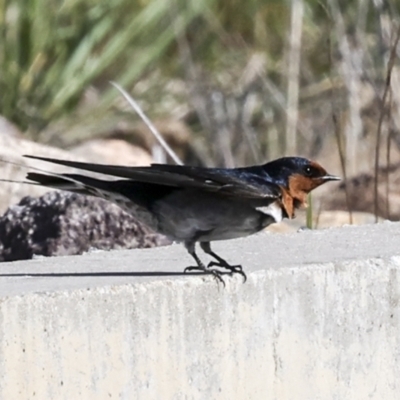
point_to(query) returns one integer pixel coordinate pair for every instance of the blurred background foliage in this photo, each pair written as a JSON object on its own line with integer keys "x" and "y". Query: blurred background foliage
{"x": 250, "y": 79}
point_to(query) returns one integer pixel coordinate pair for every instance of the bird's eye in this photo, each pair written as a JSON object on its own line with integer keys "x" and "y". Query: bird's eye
{"x": 308, "y": 171}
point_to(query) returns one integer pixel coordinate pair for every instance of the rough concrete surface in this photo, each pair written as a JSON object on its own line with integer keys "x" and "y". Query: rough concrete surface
{"x": 317, "y": 319}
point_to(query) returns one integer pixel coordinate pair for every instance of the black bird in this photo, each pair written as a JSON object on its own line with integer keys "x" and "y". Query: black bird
{"x": 195, "y": 204}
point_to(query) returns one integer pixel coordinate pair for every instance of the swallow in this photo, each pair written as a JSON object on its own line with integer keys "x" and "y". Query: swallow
{"x": 197, "y": 204}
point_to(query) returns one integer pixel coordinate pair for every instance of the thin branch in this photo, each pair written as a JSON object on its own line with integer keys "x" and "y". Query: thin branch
{"x": 149, "y": 124}
{"x": 293, "y": 76}
{"x": 351, "y": 70}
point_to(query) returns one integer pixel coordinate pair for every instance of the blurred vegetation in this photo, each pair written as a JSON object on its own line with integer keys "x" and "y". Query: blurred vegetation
{"x": 253, "y": 79}
{"x": 51, "y": 52}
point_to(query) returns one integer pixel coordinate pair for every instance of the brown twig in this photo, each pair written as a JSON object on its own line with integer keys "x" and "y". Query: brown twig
{"x": 335, "y": 119}
{"x": 297, "y": 12}
{"x": 388, "y": 143}
{"x": 382, "y": 116}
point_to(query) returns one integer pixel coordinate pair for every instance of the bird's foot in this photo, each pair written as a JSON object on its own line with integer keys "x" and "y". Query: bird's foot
{"x": 214, "y": 272}
{"x": 233, "y": 269}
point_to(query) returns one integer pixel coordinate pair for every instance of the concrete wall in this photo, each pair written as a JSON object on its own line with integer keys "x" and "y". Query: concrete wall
{"x": 108, "y": 326}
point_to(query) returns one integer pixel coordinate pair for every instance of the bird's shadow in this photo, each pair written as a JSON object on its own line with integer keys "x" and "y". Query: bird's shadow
{"x": 96, "y": 274}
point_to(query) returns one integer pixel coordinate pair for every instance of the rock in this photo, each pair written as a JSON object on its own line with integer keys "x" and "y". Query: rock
{"x": 126, "y": 127}
{"x": 7, "y": 128}
{"x": 61, "y": 223}
{"x": 112, "y": 151}
{"x": 176, "y": 133}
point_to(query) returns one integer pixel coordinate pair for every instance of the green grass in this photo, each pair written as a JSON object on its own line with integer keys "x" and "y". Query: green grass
{"x": 50, "y": 52}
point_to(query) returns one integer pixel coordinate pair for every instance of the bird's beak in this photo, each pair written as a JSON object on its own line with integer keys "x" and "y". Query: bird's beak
{"x": 329, "y": 177}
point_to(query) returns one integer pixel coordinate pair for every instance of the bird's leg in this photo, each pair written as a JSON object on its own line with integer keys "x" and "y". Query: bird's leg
{"x": 221, "y": 262}
{"x": 190, "y": 246}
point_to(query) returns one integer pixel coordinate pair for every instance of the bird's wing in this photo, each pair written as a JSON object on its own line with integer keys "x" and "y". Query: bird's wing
{"x": 236, "y": 182}
{"x": 223, "y": 181}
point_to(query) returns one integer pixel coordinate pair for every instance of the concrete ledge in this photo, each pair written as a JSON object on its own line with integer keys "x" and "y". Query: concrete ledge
{"x": 318, "y": 319}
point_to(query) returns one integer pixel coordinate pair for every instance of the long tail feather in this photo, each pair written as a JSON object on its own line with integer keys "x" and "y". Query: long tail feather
{"x": 125, "y": 194}
{"x": 114, "y": 170}
{"x": 138, "y": 174}
{"x": 71, "y": 184}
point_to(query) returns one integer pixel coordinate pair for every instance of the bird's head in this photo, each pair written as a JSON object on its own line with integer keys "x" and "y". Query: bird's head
{"x": 297, "y": 177}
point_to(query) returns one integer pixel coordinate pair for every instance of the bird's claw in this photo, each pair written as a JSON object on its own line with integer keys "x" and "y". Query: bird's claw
{"x": 214, "y": 272}
{"x": 233, "y": 269}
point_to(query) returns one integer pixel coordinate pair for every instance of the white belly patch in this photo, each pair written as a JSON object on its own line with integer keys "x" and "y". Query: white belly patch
{"x": 274, "y": 210}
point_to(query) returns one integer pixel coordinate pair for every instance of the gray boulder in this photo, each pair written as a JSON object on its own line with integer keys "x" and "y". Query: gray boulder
{"x": 61, "y": 223}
